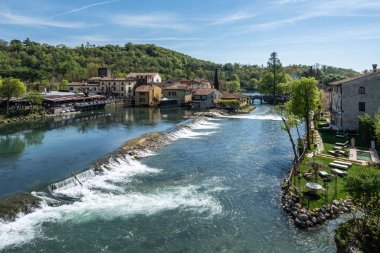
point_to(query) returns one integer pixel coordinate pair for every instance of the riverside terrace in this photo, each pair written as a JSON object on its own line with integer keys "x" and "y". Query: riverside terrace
{"x": 79, "y": 102}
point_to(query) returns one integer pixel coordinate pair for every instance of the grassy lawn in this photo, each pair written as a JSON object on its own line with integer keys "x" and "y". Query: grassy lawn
{"x": 334, "y": 189}
{"x": 247, "y": 109}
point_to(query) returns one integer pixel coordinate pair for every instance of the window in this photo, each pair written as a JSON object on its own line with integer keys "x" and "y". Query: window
{"x": 361, "y": 90}
{"x": 142, "y": 99}
{"x": 122, "y": 88}
{"x": 174, "y": 93}
{"x": 361, "y": 106}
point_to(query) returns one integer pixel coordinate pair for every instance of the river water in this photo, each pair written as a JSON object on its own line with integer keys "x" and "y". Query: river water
{"x": 215, "y": 187}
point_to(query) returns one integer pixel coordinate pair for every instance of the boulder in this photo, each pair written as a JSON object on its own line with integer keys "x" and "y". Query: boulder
{"x": 300, "y": 223}
{"x": 303, "y": 217}
{"x": 314, "y": 220}
{"x": 335, "y": 209}
{"x": 335, "y": 202}
{"x": 20, "y": 202}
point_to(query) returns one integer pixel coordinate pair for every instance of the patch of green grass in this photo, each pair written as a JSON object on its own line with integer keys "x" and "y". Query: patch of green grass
{"x": 334, "y": 189}
{"x": 247, "y": 109}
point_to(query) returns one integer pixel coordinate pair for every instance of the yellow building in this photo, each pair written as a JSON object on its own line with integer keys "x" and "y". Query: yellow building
{"x": 148, "y": 95}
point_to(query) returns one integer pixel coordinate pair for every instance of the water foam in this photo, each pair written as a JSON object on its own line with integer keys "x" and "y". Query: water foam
{"x": 187, "y": 132}
{"x": 107, "y": 196}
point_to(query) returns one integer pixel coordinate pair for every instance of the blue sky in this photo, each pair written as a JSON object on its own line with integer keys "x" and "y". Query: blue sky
{"x": 343, "y": 33}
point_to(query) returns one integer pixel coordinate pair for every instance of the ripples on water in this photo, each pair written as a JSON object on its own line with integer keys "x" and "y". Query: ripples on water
{"x": 215, "y": 188}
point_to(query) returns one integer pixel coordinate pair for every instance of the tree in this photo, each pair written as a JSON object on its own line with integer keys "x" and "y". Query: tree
{"x": 11, "y": 87}
{"x": 304, "y": 100}
{"x": 377, "y": 125}
{"x": 275, "y": 67}
{"x": 34, "y": 98}
{"x": 233, "y": 85}
{"x": 364, "y": 231}
{"x": 366, "y": 129}
{"x": 216, "y": 80}
{"x": 331, "y": 78}
{"x": 265, "y": 85}
{"x": 63, "y": 85}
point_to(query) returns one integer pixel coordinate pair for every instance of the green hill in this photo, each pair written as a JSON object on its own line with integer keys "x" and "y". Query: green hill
{"x": 35, "y": 62}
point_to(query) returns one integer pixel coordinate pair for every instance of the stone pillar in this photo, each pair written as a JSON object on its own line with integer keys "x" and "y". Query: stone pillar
{"x": 352, "y": 142}
{"x": 373, "y": 144}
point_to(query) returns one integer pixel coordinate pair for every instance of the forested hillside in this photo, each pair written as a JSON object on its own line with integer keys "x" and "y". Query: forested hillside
{"x": 36, "y": 62}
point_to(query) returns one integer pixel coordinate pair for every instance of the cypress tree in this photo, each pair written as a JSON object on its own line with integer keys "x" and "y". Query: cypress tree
{"x": 216, "y": 80}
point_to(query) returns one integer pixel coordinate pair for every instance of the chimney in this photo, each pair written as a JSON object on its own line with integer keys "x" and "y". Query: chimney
{"x": 374, "y": 66}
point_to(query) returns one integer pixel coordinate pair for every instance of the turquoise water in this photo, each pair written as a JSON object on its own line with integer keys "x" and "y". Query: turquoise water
{"x": 363, "y": 155}
{"x": 36, "y": 154}
{"x": 215, "y": 187}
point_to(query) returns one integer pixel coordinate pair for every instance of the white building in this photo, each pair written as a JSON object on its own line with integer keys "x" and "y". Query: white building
{"x": 352, "y": 97}
{"x": 144, "y": 78}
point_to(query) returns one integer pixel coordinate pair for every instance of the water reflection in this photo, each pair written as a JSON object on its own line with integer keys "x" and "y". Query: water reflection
{"x": 37, "y": 153}
{"x": 11, "y": 145}
{"x": 34, "y": 137}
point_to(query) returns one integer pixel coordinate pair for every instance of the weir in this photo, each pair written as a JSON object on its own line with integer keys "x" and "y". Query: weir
{"x": 83, "y": 176}
{"x": 73, "y": 181}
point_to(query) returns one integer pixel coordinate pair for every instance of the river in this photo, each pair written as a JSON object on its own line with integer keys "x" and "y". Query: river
{"x": 214, "y": 188}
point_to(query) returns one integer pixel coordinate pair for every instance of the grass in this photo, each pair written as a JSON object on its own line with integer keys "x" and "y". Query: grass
{"x": 334, "y": 189}
{"x": 247, "y": 109}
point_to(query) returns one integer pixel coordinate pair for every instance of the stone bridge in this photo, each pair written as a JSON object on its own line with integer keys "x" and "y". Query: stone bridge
{"x": 270, "y": 99}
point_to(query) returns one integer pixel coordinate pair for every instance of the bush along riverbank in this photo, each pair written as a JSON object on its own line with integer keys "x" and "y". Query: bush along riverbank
{"x": 8, "y": 119}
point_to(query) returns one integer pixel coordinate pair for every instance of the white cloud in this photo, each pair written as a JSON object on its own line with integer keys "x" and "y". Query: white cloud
{"x": 334, "y": 8}
{"x": 152, "y": 21}
{"x": 84, "y": 7}
{"x": 163, "y": 39}
{"x": 235, "y": 17}
{"x": 14, "y": 19}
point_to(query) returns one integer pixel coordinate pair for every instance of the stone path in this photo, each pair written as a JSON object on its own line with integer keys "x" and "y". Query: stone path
{"x": 318, "y": 141}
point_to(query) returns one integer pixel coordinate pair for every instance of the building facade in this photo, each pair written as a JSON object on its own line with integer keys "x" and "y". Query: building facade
{"x": 144, "y": 78}
{"x": 117, "y": 87}
{"x": 179, "y": 92}
{"x": 148, "y": 95}
{"x": 353, "y": 97}
{"x": 205, "y": 98}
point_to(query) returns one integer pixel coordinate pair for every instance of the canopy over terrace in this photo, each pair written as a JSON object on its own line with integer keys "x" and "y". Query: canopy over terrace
{"x": 59, "y": 100}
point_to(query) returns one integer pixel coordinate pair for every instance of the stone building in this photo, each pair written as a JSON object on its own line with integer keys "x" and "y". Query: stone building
{"x": 179, "y": 92}
{"x": 148, "y": 95}
{"x": 205, "y": 98}
{"x": 326, "y": 97}
{"x": 117, "y": 87}
{"x": 352, "y": 97}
